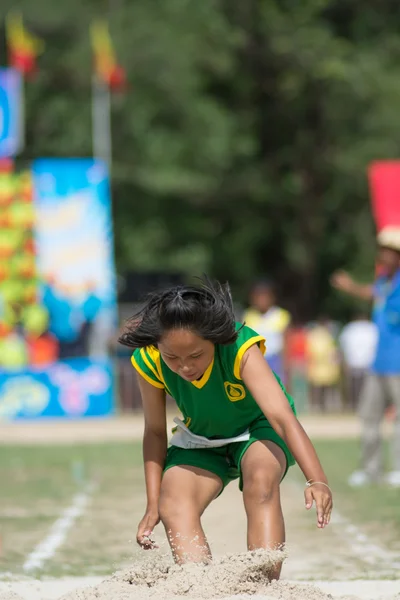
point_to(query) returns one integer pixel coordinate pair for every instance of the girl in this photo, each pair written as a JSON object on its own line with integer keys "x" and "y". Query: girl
{"x": 238, "y": 422}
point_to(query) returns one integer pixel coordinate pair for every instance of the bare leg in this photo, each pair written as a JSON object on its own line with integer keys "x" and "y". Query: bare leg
{"x": 186, "y": 492}
{"x": 263, "y": 466}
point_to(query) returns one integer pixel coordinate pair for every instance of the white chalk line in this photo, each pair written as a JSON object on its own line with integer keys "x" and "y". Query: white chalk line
{"x": 367, "y": 550}
{"x": 46, "y": 549}
{"x": 360, "y": 544}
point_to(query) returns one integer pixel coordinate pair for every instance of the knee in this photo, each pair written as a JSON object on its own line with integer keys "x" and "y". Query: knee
{"x": 261, "y": 488}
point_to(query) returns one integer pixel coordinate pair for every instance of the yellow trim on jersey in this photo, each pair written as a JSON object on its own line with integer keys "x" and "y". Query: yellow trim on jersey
{"x": 148, "y": 363}
{"x": 242, "y": 350}
{"x": 155, "y": 357}
{"x": 156, "y": 384}
{"x": 202, "y": 382}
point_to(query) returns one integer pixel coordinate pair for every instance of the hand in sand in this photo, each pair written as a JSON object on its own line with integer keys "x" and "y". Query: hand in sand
{"x": 342, "y": 281}
{"x": 145, "y": 530}
{"x": 323, "y": 502}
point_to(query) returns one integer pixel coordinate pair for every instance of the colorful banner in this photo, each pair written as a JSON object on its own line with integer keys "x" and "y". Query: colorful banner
{"x": 75, "y": 389}
{"x": 10, "y": 112}
{"x": 384, "y": 181}
{"x": 58, "y": 307}
{"x": 75, "y": 253}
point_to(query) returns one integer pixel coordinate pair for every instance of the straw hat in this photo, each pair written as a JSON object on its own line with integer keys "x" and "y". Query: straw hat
{"x": 389, "y": 237}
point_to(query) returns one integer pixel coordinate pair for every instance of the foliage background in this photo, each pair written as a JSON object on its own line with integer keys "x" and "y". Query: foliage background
{"x": 242, "y": 144}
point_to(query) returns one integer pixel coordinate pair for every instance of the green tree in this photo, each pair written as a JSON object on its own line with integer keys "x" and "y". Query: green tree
{"x": 242, "y": 144}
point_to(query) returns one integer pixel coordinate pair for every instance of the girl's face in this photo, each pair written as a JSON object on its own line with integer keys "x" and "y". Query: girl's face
{"x": 186, "y": 354}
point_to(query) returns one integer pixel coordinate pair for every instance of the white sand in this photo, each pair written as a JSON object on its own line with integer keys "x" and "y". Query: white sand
{"x": 54, "y": 589}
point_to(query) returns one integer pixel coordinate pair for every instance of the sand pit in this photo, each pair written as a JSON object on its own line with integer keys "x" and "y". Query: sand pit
{"x": 158, "y": 577}
{"x": 230, "y": 577}
{"x": 9, "y": 596}
{"x": 233, "y": 576}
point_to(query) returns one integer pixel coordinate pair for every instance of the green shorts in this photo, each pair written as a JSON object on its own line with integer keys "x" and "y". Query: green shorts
{"x": 226, "y": 460}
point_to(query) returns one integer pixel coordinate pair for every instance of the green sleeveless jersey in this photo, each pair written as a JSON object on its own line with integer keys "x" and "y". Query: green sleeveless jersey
{"x": 218, "y": 405}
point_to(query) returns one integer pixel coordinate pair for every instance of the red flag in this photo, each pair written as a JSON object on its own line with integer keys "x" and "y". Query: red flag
{"x": 384, "y": 180}
{"x": 106, "y": 66}
{"x": 23, "y": 47}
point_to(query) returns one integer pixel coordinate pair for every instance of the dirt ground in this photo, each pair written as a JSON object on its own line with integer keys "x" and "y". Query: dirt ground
{"x": 340, "y": 561}
{"x": 329, "y": 559}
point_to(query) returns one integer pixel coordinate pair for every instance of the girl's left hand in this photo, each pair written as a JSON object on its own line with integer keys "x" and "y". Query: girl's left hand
{"x": 323, "y": 502}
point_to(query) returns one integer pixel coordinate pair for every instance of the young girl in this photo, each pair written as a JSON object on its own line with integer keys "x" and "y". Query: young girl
{"x": 238, "y": 422}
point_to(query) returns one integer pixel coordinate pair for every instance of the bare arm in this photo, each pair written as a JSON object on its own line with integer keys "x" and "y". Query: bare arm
{"x": 154, "y": 452}
{"x": 268, "y": 394}
{"x": 343, "y": 282}
{"x": 154, "y": 439}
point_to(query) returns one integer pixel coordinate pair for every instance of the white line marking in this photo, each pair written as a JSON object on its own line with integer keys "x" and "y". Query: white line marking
{"x": 360, "y": 544}
{"x": 58, "y": 533}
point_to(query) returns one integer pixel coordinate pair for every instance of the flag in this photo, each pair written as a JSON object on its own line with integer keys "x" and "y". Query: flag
{"x": 105, "y": 63}
{"x": 23, "y": 47}
{"x": 384, "y": 182}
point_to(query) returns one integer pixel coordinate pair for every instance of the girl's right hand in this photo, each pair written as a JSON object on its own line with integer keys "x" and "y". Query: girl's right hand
{"x": 145, "y": 530}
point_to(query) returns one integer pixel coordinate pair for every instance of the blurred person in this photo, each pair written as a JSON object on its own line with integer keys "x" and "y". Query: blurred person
{"x": 357, "y": 342}
{"x": 323, "y": 365}
{"x": 297, "y": 345}
{"x": 270, "y": 321}
{"x": 382, "y": 385}
{"x": 239, "y": 422}
{"x": 296, "y": 351}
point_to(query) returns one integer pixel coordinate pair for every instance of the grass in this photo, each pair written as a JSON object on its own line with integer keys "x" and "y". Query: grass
{"x": 37, "y": 483}
{"x": 375, "y": 508}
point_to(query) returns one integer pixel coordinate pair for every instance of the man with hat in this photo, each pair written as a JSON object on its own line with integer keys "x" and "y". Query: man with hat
{"x": 382, "y": 386}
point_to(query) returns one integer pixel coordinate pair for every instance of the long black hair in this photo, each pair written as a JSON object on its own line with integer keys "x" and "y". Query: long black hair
{"x": 206, "y": 309}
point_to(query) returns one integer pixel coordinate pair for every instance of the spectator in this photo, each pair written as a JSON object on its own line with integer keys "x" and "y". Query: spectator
{"x": 270, "y": 321}
{"x": 357, "y": 342}
{"x": 323, "y": 366}
{"x": 383, "y": 381}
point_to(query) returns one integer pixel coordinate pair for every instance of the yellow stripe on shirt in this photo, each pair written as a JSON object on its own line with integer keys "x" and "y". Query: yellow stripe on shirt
{"x": 148, "y": 363}
{"x": 242, "y": 350}
{"x": 155, "y": 357}
{"x": 156, "y": 384}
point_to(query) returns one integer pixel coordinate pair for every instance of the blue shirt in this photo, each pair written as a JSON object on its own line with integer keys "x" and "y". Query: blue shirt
{"x": 386, "y": 316}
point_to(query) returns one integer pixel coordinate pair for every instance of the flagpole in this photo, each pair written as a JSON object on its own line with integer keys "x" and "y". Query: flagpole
{"x": 22, "y": 117}
{"x": 101, "y": 121}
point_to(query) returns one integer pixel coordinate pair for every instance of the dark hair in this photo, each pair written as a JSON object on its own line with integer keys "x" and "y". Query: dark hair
{"x": 207, "y": 310}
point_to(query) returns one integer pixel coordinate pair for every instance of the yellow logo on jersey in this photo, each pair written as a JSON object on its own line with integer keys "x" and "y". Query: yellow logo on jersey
{"x": 234, "y": 391}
